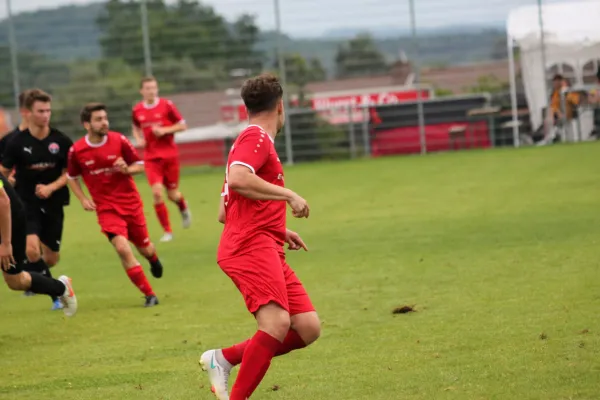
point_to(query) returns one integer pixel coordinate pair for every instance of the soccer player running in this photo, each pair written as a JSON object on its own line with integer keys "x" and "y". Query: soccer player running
{"x": 155, "y": 122}
{"x": 253, "y": 209}
{"x": 13, "y": 239}
{"x": 106, "y": 161}
{"x": 39, "y": 158}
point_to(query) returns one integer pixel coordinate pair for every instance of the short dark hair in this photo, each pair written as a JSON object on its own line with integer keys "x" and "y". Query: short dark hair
{"x": 33, "y": 95}
{"x": 89, "y": 109}
{"x": 261, "y": 93}
{"x": 22, "y": 97}
{"x": 145, "y": 79}
{"x": 558, "y": 77}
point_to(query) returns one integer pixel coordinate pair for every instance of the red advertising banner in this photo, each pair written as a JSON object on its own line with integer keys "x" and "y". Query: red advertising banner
{"x": 338, "y": 109}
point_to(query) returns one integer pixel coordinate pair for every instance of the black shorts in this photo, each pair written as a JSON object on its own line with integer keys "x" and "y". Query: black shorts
{"x": 47, "y": 224}
{"x": 19, "y": 243}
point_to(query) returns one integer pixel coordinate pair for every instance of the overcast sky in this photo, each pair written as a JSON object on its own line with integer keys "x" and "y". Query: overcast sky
{"x": 311, "y": 17}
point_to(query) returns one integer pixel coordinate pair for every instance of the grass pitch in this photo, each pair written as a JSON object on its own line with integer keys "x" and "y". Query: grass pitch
{"x": 497, "y": 250}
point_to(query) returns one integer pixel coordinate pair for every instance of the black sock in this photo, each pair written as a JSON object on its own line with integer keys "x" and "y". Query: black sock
{"x": 40, "y": 267}
{"x": 43, "y": 285}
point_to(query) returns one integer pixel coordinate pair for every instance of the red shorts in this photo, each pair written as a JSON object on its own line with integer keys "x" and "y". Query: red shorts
{"x": 263, "y": 276}
{"x": 131, "y": 227}
{"x": 164, "y": 171}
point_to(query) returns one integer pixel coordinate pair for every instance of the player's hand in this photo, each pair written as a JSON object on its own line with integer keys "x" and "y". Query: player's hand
{"x": 158, "y": 131}
{"x": 141, "y": 142}
{"x": 88, "y": 205}
{"x": 121, "y": 165}
{"x": 6, "y": 256}
{"x": 299, "y": 207}
{"x": 12, "y": 180}
{"x": 43, "y": 191}
{"x": 294, "y": 241}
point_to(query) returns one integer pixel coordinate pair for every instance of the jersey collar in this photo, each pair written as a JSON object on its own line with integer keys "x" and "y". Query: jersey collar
{"x": 261, "y": 128}
{"x": 102, "y": 143}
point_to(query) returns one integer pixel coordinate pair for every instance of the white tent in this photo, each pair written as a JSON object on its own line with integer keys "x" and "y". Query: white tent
{"x": 571, "y": 36}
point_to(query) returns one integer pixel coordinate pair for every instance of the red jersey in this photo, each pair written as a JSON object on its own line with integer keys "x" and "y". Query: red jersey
{"x": 110, "y": 189}
{"x": 251, "y": 224}
{"x": 162, "y": 113}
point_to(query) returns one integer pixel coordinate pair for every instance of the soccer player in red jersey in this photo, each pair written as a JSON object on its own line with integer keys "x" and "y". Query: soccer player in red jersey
{"x": 106, "y": 160}
{"x": 155, "y": 122}
{"x": 253, "y": 209}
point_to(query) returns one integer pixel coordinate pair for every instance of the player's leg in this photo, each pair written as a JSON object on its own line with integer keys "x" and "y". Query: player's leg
{"x": 260, "y": 278}
{"x": 35, "y": 262}
{"x": 155, "y": 175}
{"x": 172, "y": 184}
{"x": 20, "y": 280}
{"x": 305, "y": 324}
{"x": 133, "y": 268}
{"x": 138, "y": 235}
{"x": 305, "y": 328}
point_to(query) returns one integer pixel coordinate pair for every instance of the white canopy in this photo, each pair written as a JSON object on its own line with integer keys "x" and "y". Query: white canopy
{"x": 571, "y": 36}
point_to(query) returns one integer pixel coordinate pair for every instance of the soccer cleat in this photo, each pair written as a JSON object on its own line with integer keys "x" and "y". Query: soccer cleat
{"x": 217, "y": 374}
{"x": 68, "y": 299}
{"x": 186, "y": 215}
{"x": 151, "y": 301}
{"x": 167, "y": 237}
{"x": 57, "y": 305}
{"x": 156, "y": 269}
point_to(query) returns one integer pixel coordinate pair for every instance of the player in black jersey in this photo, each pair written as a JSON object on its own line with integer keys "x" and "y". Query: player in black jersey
{"x": 20, "y": 128}
{"x": 39, "y": 157}
{"x": 12, "y": 254}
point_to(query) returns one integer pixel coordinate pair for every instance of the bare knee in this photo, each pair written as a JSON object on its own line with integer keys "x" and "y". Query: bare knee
{"x": 51, "y": 258}
{"x": 123, "y": 249}
{"x": 33, "y": 253}
{"x": 274, "y": 320}
{"x": 308, "y": 326}
{"x": 19, "y": 282}
{"x": 174, "y": 195}
{"x": 147, "y": 251}
{"x": 157, "y": 194}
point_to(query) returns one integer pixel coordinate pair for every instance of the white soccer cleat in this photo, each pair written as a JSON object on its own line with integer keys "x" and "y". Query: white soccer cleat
{"x": 217, "y": 374}
{"x": 167, "y": 237}
{"x": 187, "y": 218}
{"x": 68, "y": 299}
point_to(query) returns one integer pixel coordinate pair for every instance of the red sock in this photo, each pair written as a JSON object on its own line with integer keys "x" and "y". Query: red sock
{"x": 182, "y": 204}
{"x": 138, "y": 277}
{"x": 255, "y": 363}
{"x": 292, "y": 342}
{"x": 163, "y": 216}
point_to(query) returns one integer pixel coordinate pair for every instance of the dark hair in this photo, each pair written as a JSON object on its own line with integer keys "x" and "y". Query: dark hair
{"x": 261, "y": 93}
{"x": 22, "y": 98}
{"x": 147, "y": 79}
{"x": 33, "y": 95}
{"x": 89, "y": 109}
{"x": 558, "y": 77}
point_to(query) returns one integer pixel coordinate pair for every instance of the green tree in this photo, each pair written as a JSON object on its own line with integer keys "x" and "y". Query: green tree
{"x": 359, "y": 57}
{"x": 185, "y": 30}
{"x": 300, "y": 72}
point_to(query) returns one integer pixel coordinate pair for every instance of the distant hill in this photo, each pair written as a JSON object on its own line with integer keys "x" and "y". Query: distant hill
{"x": 70, "y": 32}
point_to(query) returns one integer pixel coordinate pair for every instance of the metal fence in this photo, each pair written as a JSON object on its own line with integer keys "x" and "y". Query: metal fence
{"x": 201, "y": 51}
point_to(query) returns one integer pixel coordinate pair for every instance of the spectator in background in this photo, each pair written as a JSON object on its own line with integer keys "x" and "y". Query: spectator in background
{"x": 594, "y": 100}
{"x": 556, "y": 113}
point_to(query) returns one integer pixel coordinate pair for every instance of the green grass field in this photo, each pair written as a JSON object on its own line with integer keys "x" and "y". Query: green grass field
{"x": 498, "y": 250}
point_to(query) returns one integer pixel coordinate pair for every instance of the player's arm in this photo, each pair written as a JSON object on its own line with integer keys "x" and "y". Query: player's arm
{"x": 6, "y": 256}
{"x": 243, "y": 180}
{"x": 130, "y": 163}
{"x": 138, "y": 135}
{"x": 73, "y": 173}
{"x": 221, "y": 217}
{"x": 175, "y": 117}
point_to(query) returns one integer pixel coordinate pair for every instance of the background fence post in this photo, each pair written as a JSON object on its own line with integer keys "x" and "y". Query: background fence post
{"x": 417, "y": 67}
